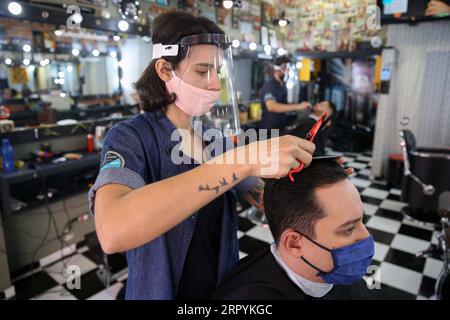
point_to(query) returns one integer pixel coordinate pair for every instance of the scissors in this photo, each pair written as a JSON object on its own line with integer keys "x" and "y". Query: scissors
{"x": 317, "y": 127}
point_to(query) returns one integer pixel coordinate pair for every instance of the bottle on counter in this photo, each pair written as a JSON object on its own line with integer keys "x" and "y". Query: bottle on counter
{"x": 90, "y": 143}
{"x": 7, "y": 156}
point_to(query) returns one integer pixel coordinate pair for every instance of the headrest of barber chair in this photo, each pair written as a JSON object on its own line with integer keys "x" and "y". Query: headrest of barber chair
{"x": 410, "y": 140}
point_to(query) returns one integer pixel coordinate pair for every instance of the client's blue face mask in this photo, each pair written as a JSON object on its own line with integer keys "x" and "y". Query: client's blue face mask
{"x": 350, "y": 262}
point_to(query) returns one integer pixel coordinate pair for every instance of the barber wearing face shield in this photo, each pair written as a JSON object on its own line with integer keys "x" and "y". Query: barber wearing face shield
{"x": 175, "y": 220}
{"x": 274, "y": 97}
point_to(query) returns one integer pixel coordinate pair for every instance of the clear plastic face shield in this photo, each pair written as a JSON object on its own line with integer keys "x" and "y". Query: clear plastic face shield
{"x": 204, "y": 83}
{"x": 292, "y": 83}
{"x": 289, "y": 75}
{"x": 283, "y": 69}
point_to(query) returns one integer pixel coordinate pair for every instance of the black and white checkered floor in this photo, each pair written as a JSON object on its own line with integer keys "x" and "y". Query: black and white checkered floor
{"x": 401, "y": 273}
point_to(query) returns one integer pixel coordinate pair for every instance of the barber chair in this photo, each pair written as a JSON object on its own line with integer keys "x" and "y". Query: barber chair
{"x": 426, "y": 176}
{"x": 426, "y": 190}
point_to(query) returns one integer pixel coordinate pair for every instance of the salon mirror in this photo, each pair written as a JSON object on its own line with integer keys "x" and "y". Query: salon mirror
{"x": 99, "y": 75}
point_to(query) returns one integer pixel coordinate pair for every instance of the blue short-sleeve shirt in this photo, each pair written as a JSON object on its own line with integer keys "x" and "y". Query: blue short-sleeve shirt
{"x": 137, "y": 152}
{"x": 273, "y": 90}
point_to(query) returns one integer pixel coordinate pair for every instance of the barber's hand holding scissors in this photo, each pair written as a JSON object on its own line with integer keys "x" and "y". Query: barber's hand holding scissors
{"x": 321, "y": 124}
{"x": 274, "y": 159}
{"x": 281, "y": 156}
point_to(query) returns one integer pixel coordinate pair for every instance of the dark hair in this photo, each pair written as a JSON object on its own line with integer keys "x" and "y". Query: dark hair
{"x": 294, "y": 204}
{"x": 332, "y": 106}
{"x": 280, "y": 60}
{"x": 168, "y": 28}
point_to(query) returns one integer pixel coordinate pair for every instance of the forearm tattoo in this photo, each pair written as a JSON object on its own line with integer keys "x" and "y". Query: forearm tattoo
{"x": 222, "y": 183}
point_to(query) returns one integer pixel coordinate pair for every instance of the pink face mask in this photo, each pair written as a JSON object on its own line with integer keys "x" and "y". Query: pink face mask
{"x": 192, "y": 100}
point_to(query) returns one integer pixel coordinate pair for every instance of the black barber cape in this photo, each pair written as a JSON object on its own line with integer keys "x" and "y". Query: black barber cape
{"x": 260, "y": 277}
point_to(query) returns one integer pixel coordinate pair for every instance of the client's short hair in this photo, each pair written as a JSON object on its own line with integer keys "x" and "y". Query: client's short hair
{"x": 294, "y": 204}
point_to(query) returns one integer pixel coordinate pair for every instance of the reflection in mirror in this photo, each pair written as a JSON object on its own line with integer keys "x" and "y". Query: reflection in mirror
{"x": 41, "y": 78}
{"x": 99, "y": 75}
{"x": 16, "y": 81}
{"x": 49, "y": 73}
{"x": 58, "y": 75}
{"x": 63, "y": 76}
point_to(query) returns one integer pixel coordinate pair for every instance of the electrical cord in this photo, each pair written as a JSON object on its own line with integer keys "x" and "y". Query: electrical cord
{"x": 45, "y": 239}
{"x": 51, "y": 220}
{"x": 64, "y": 204}
{"x": 74, "y": 206}
{"x": 2, "y": 250}
{"x": 25, "y": 232}
{"x": 57, "y": 211}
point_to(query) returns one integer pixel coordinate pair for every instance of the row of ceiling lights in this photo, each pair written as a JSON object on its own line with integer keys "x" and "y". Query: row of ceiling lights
{"x": 76, "y": 52}
{"x": 267, "y": 50}
{"x": 42, "y": 63}
{"x": 253, "y": 46}
{"x": 115, "y": 37}
{"x": 45, "y": 62}
{"x": 16, "y": 9}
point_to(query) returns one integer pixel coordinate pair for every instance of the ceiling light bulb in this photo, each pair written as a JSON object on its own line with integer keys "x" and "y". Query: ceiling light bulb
{"x": 281, "y": 51}
{"x": 282, "y": 23}
{"x": 228, "y": 4}
{"x": 123, "y": 25}
{"x": 77, "y": 18}
{"x": 15, "y": 8}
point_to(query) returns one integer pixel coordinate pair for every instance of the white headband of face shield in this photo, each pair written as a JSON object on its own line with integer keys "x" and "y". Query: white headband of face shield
{"x": 160, "y": 50}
